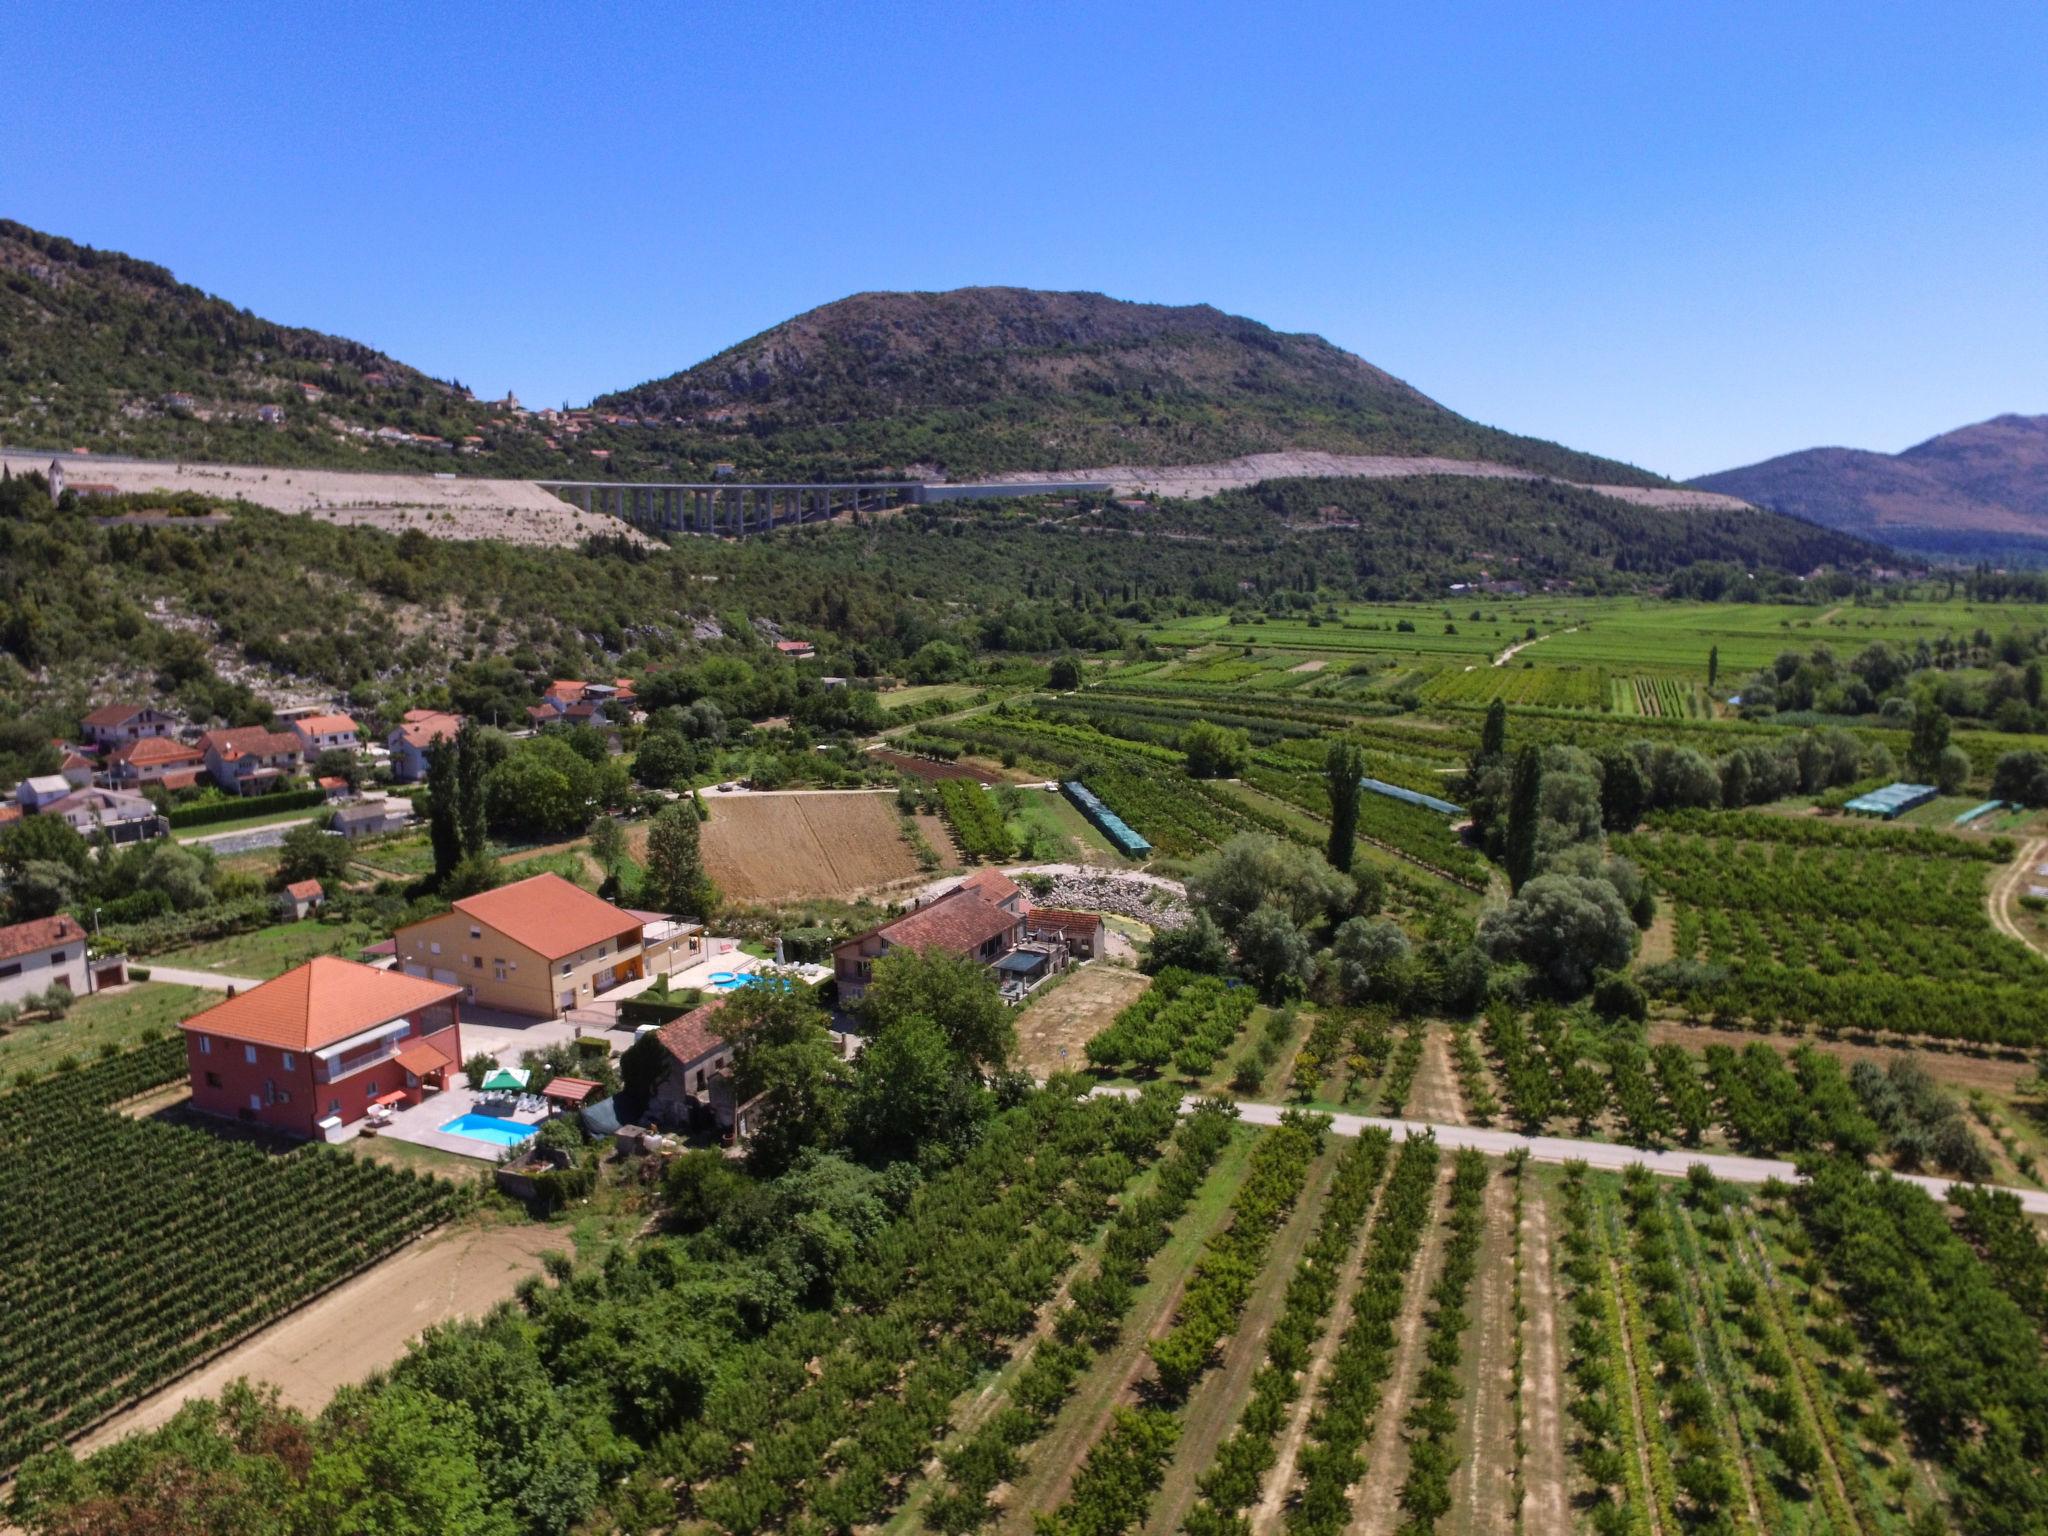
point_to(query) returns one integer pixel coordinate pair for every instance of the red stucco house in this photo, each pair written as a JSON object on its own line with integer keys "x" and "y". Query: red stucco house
{"x": 323, "y": 1042}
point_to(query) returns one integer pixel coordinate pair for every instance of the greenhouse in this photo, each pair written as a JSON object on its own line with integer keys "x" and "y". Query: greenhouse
{"x": 1412, "y": 797}
{"x": 1892, "y": 801}
{"x": 1106, "y": 821}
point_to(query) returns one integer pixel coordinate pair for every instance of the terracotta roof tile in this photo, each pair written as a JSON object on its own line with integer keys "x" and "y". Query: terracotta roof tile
{"x": 325, "y": 725}
{"x": 691, "y": 1038}
{"x": 959, "y": 922}
{"x": 43, "y": 933}
{"x": 304, "y": 890}
{"x": 549, "y": 915}
{"x": 325, "y": 1000}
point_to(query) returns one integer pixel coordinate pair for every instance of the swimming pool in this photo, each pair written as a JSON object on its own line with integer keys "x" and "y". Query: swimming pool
{"x": 502, "y": 1133}
{"x": 727, "y": 981}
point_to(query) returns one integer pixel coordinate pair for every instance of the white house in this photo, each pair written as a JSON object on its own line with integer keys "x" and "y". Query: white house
{"x": 326, "y": 733}
{"x": 38, "y": 955}
{"x": 114, "y": 725}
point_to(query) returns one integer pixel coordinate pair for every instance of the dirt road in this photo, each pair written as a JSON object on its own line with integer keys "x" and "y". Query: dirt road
{"x": 2004, "y": 893}
{"x": 359, "y": 1327}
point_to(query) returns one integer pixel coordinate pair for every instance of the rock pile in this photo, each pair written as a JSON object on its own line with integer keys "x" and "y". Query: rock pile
{"x": 1114, "y": 893}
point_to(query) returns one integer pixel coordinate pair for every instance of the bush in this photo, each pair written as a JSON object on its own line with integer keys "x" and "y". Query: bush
{"x": 138, "y": 973}
{"x": 1616, "y": 997}
{"x": 245, "y": 806}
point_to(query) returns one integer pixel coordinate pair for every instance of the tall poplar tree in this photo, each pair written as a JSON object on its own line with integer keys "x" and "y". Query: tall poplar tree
{"x": 1343, "y": 766}
{"x": 1525, "y": 816}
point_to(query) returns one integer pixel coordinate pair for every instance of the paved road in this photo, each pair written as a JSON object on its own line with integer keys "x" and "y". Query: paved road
{"x": 186, "y": 977}
{"x": 1595, "y": 1154}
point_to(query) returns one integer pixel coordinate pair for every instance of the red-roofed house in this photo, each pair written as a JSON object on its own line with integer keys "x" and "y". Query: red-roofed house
{"x": 326, "y": 733}
{"x": 960, "y": 922}
{"x": 797, "y": 650}
{"x": 698, "y": 1062}
{"x": 536, "y": 947}
{"x": 300, "y": 900}
{"x": 410, "y": 738}
{"x": 251, "y": 759}
{"x": 321, "y": 1044}
{"x": 113, "y": 724}
{"x": 153, "y": 760}
{"x": 35, "y": 956}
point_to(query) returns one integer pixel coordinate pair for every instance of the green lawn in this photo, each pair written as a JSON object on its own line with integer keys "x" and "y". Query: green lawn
{"x": 118, "y": 1019}
{"x": 924, "y": 693}
{"x": 252, "y": 823}
{"x": 272, "y": 951}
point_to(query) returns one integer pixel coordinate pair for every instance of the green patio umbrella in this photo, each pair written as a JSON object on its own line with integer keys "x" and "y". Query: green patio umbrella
{"x": 506, "y": 1079}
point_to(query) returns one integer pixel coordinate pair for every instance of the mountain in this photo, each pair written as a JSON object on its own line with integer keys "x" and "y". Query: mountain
{"x": 103, "y": 351}
{"x": 979, "y": 381}
{"x": 1978, "y": 493}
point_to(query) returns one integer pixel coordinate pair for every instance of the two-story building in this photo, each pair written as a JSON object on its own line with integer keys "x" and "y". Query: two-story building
{"x": 250, "y": 759}
{"x": 418, "y": 730}
{"x": 36, "y": 956}
{"x": 537, "y": 947}
{"x": 310, "y": 1051}
{"x": 153, "y": 760}
{"x": 326, "y": 733}
{"x": 114, "y": 725}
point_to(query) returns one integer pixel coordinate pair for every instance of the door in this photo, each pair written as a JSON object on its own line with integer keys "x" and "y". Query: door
{"x": 566, "y": 999}
{"x": 442, "y": 973}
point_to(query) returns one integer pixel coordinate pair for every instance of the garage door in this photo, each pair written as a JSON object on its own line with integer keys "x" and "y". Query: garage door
{"x": 442, "y": 973}
{"x": 416, "y": 970}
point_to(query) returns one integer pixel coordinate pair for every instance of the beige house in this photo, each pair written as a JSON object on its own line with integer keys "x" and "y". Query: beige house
{"x": 538, "y": 947}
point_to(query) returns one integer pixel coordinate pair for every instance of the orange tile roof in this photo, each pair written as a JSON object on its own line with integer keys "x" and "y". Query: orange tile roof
{"x": 549, "y": 915}
{"x": 328, "y": 724}
{"x": 419, "y": 1058}
{"x": 154, "y": 749}
{"x": 691, "y": 1038}
{"x": 114, "y": 714}
{"x": 304, "y": 890}
{"x": 959, "y": 921}
{"x": 993, "y": 885}
{"x": 325, "y": 1000}
{"x": 251, "y": 741}
{"x": 42, "y": 933}
{"x": 421, "y": 727}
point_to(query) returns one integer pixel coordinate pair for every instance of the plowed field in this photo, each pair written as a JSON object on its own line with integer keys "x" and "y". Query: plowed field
{"x": 775, "y": 847}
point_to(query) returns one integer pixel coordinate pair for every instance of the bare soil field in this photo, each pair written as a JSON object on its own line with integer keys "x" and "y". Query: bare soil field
{"x": 362, "y": 1326}
{"x": 1546, "y": 1485}
{"x": 1208, "y": 479}
{"x": 1435, "y": 1097}
{"x": 931, "y": 770}
{"x": 459, "y": 507}
{"x": 778, "y": 847}
{"x": 1070, "y": 1013}
{"x": 1482, "y": 1485}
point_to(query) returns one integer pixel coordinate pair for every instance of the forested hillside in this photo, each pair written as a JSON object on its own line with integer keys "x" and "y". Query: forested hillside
{"x": 106, "y": 352}
{"x": 981, "y": 380}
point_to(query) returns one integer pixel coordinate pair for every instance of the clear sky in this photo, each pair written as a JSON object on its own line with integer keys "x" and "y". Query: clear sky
{"x": 1685, "y": 235}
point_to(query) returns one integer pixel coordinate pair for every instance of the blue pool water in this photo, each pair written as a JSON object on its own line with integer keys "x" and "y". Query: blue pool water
{"x": 727, "y": 981}
{"x": 503, "y": 1133}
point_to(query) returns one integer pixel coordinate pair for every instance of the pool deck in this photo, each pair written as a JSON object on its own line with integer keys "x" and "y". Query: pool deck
{"x": 421, "y": 1123}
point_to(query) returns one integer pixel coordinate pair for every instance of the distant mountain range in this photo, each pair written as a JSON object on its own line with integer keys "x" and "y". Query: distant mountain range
{"x": 1978, "y": 493}
{"x": 106, "y": 352}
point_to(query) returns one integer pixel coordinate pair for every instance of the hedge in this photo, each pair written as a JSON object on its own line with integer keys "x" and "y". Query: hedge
{"x": 245, "y": 808}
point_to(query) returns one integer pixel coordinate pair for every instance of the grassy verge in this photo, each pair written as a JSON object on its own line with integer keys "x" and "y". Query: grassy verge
{"x": 108, "y": 1019}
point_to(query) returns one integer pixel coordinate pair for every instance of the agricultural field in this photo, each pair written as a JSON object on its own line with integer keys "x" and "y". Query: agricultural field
{"x": 1056, "y": 1024}
{"x": 1521, "y": 683}
{"x": 784, "y": 846}
{"x": 138, "y": 1248}
{"x": 1664, "y": 698}
{"x": 106, "y": 1021}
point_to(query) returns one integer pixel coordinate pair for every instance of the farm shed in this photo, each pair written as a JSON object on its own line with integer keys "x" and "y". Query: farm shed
{"x": 1893, "y": 801}
{"x": 1106, "y": 821}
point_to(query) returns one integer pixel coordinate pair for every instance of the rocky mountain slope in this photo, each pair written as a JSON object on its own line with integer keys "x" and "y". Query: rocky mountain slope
{"x": 980, "y": 381}
{"x": 1980, "y": 492}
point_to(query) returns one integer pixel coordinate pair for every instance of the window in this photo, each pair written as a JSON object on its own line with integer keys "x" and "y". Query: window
{"x": 13, "y": 969}
{"x": 249, "y": 1054}
{"x": 334, "y": 1106}
{"x": 476, "y": 933}
{"x": 213, "y": 1079}
{"x": 476, "y": 962}
{"x": 57, "y": 958}
{"x": 434, "y": 948}
{"x": 288, "y": 1061}
{"x": 565, "y": 967}
{"x": 206, "y": 1045}
{"x": 498, "y": 971}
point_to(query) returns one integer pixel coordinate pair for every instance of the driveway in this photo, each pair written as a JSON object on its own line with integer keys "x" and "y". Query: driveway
{"x": 185, "y": 977}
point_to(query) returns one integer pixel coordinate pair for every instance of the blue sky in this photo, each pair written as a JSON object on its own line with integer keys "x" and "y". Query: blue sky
{"x": 1687, "y": 236}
